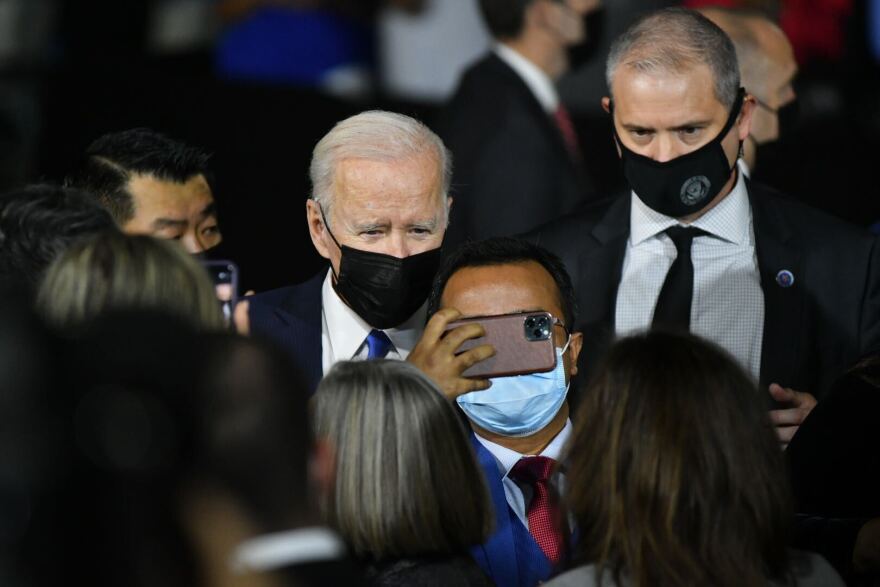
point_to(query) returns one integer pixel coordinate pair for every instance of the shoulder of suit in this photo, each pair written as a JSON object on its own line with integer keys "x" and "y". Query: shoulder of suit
{"x": 488, "y": 94}
{"x": 580, "y": 222}
{"x": 805, "y": 218}
{"x": 299, "y": 296}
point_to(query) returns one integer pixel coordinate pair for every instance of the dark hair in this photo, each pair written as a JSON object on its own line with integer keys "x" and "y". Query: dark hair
{"x": 505, "y": 19}
{"x": 112, "y": 159}
{"x": 39, "y": 222}
{"x": 253, "y": 429}
{"x": 675, "y": 474}
{"x": 505, "y": 251}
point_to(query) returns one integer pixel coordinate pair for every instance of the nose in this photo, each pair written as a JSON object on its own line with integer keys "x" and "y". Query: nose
{"x": 397, "y": 245}
{"x": 664, "y": 149}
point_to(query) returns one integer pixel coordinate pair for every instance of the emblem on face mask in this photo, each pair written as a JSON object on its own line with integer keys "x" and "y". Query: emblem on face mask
{"x": 694, "y": 190}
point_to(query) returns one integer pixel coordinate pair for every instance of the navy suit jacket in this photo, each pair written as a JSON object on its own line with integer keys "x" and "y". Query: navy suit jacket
{"x": 510, "y": 557}
{"x": 291, "y": 318}
{"x": 813, "y": 330}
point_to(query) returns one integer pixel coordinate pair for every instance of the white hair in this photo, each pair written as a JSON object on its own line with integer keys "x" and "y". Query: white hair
{"x": 375, "y": 135}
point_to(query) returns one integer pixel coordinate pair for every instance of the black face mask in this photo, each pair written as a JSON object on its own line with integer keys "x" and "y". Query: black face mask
{"x": 684, "y": 185}
{"x": 786, "y": 116}
{"x": 382, "y": 289}
{"x": 580, "y": 53}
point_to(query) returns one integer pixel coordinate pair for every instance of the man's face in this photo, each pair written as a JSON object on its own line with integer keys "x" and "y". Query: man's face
{"x": 174, "y": 211}
{"x": 564, "y": 18}
{"x": 505, "y": 289}
{"x": 775, "y": 89}
{"x": 389, "y": 207}
{"x": 667, "y": 115}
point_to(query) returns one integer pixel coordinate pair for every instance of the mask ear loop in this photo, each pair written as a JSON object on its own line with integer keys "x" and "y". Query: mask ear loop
{"x": 327, "y": 226}
{"x": 336, "y": 242}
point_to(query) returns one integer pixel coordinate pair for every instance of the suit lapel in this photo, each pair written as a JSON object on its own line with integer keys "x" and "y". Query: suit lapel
{"x": 551, "y": 130}
{"x": 497, "y": 556}
{"x": 599, "y": 268}
{"x": 303, "y": 319}
{"x": 777, "y": 252}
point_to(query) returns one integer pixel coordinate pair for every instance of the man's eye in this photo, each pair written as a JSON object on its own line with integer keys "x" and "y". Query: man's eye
{"x": 376, "y": 232}
{"x": 210, "y": 230}
{"x": 689, "y": 130}
{"x": 641, "y": 133}
{"x": 420, "y": 231}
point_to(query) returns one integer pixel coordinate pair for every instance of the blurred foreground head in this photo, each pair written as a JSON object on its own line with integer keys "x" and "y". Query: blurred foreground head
{"x": 675, "y": 475}
{"x": 118, "y": 271}
{"x": 39, "y": 222}
{"x": 398, "y": 445}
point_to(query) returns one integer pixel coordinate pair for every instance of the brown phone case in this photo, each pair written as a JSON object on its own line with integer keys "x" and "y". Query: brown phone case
{"x": 514, "y": 353}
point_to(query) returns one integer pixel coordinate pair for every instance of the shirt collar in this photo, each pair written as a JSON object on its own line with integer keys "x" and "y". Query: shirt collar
{"x": 729, "y": 220}
{"x": 508, "y": 458}
{"x": 347, "y": 331}
{"x": 534, "y": 77}
{"x": 281, "y": 549}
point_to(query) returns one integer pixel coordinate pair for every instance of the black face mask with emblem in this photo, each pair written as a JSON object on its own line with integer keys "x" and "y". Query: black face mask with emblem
{"x": 684, "y": 185}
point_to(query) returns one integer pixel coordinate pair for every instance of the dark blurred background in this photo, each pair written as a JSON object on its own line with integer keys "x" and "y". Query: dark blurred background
{"x": 258, "y": 82}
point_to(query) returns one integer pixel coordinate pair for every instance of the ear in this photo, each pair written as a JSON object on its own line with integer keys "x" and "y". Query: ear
{"x": 574, "y": 351}
{"x": 744, "y": 124}
{"x": 317, "y": 229}
{"x": 606, "y": 104}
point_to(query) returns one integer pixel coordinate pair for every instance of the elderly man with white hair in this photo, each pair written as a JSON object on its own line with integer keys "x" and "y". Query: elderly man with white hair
{"x": 378, "y": 212}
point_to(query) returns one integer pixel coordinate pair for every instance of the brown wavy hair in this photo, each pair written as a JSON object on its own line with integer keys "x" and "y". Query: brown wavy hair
{"x": 676, "y": 476}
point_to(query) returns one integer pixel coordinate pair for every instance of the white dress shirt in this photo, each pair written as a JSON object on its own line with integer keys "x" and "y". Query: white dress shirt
{"x": 344, "y": 333}
{"x": 534, "y": 77}
{"x": 728, "y": 302}
{"x": 519, "y": 495}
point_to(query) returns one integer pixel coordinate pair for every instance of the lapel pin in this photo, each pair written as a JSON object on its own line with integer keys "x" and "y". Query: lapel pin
{"x": 785, "y": 278}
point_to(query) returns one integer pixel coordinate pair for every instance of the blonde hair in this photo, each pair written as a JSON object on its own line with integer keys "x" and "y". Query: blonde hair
{"x": 118, "y": 271}
{"x": 400, "y": 448}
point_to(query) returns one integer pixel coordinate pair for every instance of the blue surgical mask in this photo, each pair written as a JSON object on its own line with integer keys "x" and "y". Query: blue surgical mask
{"x": 520, "y": 405}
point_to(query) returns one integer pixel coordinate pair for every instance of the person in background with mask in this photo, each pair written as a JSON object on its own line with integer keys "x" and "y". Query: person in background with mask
{"x": 378, "y": 211}
{"x": 791, "y": 293}
{"x": 767, "y": 69}
{"x": 152, "y": 184}
{"x": 520, "y": 424}
{"x": 519, "y": 161}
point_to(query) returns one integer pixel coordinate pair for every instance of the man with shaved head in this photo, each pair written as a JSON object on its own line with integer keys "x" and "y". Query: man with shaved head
{"x": 789, "y": 292}
{"x": 767, "y": 67}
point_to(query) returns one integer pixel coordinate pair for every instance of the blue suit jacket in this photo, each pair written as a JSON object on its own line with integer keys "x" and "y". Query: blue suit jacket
{"x": 511, "y": 557}
{"x": 291, "y": 318}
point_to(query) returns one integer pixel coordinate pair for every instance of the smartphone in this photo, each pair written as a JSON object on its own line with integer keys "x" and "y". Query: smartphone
{"x": 224, "y": 274}
{"x": 523, "y": 344}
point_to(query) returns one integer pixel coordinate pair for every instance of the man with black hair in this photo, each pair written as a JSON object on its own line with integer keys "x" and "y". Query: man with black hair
{"x": 518, "y": 159}
{"x": 39, "y": 222}
{"x": 521, "y": 423}
{"x": 152, "y": 184}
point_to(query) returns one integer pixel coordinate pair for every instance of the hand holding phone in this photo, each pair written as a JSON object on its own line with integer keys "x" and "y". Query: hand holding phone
{"x": 523, "y": 343}
{"x": 438, "y": 354}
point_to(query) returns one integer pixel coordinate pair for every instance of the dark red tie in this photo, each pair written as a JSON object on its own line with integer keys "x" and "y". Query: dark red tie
{"x": 543, "y": 511}
{"x": 566, "y": 128}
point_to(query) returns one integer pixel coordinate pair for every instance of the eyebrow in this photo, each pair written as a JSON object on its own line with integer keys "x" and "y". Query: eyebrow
{"x": 431, "y": 224}
{"x": 691, "y": 124}
{"x": 160, "y": 223}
